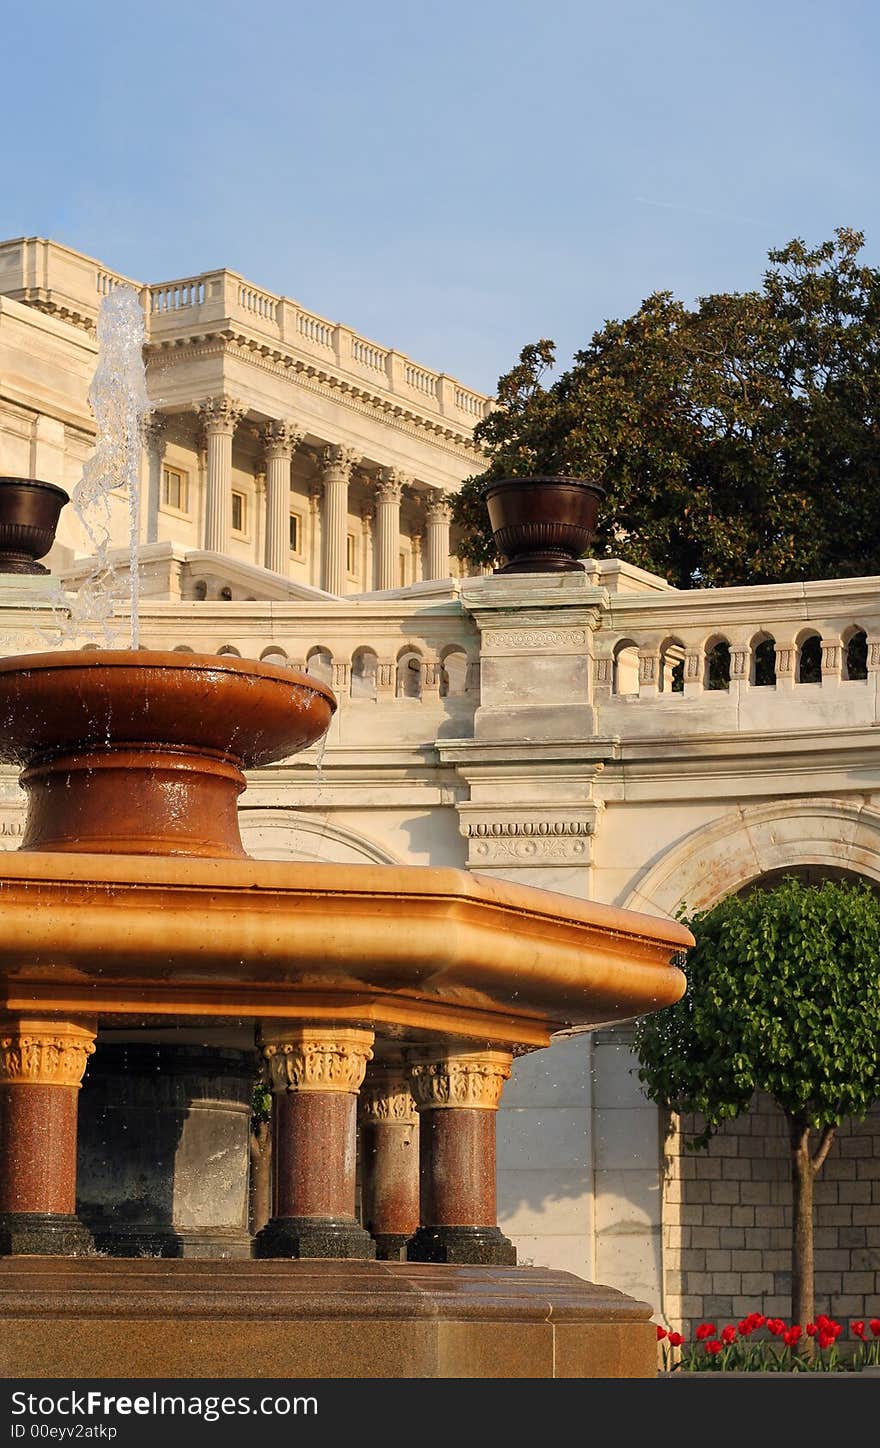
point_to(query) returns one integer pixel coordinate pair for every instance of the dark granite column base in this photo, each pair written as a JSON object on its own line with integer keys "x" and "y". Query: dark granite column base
{"x": 313, "y": 1237}
{"x": 44, "y": 1234}
{"x": 189, "y": 1242}
{"x": 391, "y": 1246}
{"x": 484, "y": 1245}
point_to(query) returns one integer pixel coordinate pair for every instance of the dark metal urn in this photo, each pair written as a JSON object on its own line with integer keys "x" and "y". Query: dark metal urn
{"x": 542, "y": 524}
{"x": 29, "y": 513}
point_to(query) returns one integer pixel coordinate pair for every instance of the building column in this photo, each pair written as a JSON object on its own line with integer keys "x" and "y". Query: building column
{"x": 457, "y": 1091}
{"x": 439, "y": 517}
{"x": 389, "y": 1138}
{"x": 42, "y": 1063}
{"x": 336, "y": 467}
{"x": 220, "y": 417}
{"x": 389, "y": 490}
{"x": 315, "y": 1073}
{"x": 154, "y": 447}
{"x": 281, "y": 439}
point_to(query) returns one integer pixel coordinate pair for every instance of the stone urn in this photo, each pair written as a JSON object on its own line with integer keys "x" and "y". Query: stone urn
{"x": 29, "y": 513}
{"x": 542, "y": 524}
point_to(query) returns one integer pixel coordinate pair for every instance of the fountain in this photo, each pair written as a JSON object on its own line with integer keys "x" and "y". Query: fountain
{"x": 131, "y": 901}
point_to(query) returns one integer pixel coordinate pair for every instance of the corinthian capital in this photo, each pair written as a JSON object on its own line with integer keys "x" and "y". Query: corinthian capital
{"x": 281, "y": 437}
{"x": 44, "y": 1053}
{"x": 220, "y": 414}
{"x": 438, "y": 509}
{"x": 473, "y": 1079}
{"x": 316, "y": 1058}
{"x": 390, "y": 483}
{"x": 385, "y": 1097}
{"x": 153, "y": 428}
{"x": 337, "y": 462}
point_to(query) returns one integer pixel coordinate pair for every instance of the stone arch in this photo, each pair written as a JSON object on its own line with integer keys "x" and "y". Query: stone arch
{"x": 408, "y": 680}
{"x": 275, "y": 654}
{"x": 292, "y": 834}
{"x": 671, "y": 674}
{"x": 808, "y": 669}
{"x": 231, "y": 650}
{"x": 625, "y": 667}
{"x": 721, "y": 858}
{"x": 319, "y": 663}
{"x": 717, "y": 668}
{"x": 364, "y": 673}
{"x": 200, "y": 590}
{"x": 762, "y": 660}
{"x": 182, "y": 649}
{"x": 855, "y": 652}
{"x": 453, "y": 671}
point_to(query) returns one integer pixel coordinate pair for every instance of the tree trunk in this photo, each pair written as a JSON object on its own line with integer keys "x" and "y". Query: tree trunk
{"x": 802, "y": 1292}
{"x": 260, "y": 1194}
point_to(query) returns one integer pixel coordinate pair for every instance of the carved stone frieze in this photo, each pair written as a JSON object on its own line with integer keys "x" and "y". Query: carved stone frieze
{"x": 311, "y": 1058}
{"x": 44, "y": 1053}
{"x": 739, "y": 661}
{"x": 471, "y": 1079}
{"x": 534, "y": 640}
{"x": 539, "y": 837}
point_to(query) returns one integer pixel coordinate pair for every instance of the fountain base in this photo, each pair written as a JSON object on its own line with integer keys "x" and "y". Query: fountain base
{"x": 54, "y": 1234}
{"x": 102, "y": 1318}
{"x": 317, "y": 1237}
{"x": 485, "y": 1245}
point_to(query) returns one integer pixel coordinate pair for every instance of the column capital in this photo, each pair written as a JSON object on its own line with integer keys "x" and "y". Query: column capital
{"x": 449, "y": 1077}
{"x": 389, "y": 485}
{"x": 37, "y": 1052}
{"x": 316, "y": 1058}
{"x": 281, "y": 437}
{"x": 154, "y": 428}
{"x": 338, "y": 461}
{"x": 220, "y": 414}
{"x": 438, "y": 509}
{"x": 385, "y": 1097}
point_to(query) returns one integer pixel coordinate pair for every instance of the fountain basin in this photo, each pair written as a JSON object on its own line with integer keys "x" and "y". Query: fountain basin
{"x": 410, "y": 948}
{"x": 143, "y": 752}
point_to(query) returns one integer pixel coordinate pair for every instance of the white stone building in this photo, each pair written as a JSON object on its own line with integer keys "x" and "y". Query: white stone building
{"x": 600, "y": 734}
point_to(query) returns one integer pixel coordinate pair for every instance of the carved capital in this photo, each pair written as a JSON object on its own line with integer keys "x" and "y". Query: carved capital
{"x": 386, "y": 1098}
{"x": 44, "y": 1053}
{"x": 154, "y": 427}
{"x": 317, "y": 1058}
{"x": 337, "y": 463}
{"x": 472, "y": 1079}
{"x": 739, "y": 661}
{"x": 220, "y": 415}
{"x": 281, "y": 438}
{"x": 438, "y": 511}
{"x": 389, "y": 486}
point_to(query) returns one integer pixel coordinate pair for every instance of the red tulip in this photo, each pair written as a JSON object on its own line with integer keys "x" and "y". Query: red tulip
{"x": 661, "y": 1333}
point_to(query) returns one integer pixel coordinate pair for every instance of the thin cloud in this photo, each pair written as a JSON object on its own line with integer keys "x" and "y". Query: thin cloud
{"x": 699, "y": 211}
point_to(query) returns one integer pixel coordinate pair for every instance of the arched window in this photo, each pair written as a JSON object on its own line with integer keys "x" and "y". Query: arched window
{"x": 225, "y": 594}
{"x": 809, "y": 660}
{"x": 364, "y": 673}
{"x": 275, "y": 655}
{"x": 671, "y": 679}
{"x": 717, "y": 664}
{"x": 228, "y": 649}
{"x": 625, "y": 674}
{"x": 763, "y": 672}
{"x": 319, "y": 663}
{"x": 453, "y": 673}
{"x": 200, "y": 590}
{"x": 856, "y": 656}
{"x": 409, "y": 674}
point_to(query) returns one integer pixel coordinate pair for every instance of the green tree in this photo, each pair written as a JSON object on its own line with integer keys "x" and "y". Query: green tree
{"x": 738, "y": 440}
{"x": 783, "y": 997}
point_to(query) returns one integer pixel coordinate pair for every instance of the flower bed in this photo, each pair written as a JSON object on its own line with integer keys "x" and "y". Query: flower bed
{"x": 760, "y": 1344}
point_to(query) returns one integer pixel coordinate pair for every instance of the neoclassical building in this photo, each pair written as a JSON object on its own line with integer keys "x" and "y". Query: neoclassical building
{"x": 600, "y": 734}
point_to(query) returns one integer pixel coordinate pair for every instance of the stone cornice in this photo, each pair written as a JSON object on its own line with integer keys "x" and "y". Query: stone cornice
{"x": 326, "y": 383}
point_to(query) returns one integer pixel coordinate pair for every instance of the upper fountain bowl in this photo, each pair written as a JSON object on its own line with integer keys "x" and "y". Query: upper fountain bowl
{"x": 142, "y": 752}
{"x": 29, "y": 512}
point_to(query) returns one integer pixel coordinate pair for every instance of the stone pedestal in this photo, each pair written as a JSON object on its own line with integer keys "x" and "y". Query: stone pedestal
{"x": 41, "y": 1066}
{"x": 164, "y": 1149}
{"x": 316, "y": 1072}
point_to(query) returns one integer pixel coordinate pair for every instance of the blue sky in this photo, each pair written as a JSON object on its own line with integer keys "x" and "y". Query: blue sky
{"x": 453, "y": 179}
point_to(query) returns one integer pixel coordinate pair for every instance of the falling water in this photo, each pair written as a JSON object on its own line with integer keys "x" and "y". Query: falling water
{"x": 118, "y": 398}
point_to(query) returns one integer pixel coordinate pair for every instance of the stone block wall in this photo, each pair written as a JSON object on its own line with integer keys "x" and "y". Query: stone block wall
{"x": 727, "y": 1222}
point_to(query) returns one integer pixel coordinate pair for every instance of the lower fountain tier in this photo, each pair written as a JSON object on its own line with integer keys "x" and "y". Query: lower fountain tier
{"x": 410, "y": 949}
{"x": 101, "y": 1318}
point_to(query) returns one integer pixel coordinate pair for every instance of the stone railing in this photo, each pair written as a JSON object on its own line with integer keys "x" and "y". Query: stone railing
{"x": 70, "y": 285}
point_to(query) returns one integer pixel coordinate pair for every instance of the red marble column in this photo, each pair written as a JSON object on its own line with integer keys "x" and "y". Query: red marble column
{"x": 41, "y": 1067}
{"x": 389, "y": 1139}
{"x": 316, "y": 1072}
{"x": 457, "y": 1091}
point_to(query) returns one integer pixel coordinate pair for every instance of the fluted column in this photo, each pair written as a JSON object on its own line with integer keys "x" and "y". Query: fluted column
{"x": 315, "y": 1073}
{"x": 439, "y": 517}
{"x": 42, "y": 1062}
{"x": 154, "y": 448}
{"x": 220, "y": 417}
{"x": 457, "y": 1091}
{"x": 389, "y": 490}
{"x": 389, "y": 1137}
{"x": 281, "y": 438}
{"x": 337, "y": 463}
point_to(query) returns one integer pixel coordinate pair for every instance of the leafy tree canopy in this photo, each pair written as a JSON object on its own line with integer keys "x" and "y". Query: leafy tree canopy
{"x": 783, "y": 997}
{"x": 738, "y": 441}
